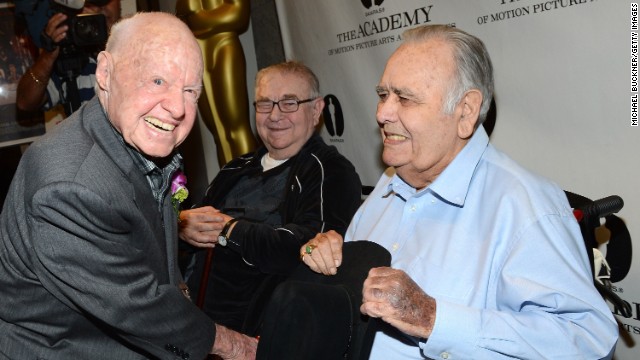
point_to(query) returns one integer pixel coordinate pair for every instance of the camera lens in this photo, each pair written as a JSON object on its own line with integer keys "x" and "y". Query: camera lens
{"x": 89, "y": 29}
{"x": 86, "y": 31}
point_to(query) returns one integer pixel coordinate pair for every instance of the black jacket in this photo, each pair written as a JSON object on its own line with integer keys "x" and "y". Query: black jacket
{"x": 322, "y": 193}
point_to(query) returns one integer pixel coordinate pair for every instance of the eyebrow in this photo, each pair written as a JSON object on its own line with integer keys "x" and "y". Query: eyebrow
{"x": 403, "y": 92}
{"x": 284, "y": 97}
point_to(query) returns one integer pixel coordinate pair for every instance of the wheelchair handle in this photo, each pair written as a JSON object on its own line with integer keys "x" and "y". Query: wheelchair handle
{"x": 606, "y": 206}
{"x": 600, "y": 208}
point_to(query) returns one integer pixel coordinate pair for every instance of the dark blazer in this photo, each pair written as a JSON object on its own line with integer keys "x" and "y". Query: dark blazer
{"x": 87, "y": 269}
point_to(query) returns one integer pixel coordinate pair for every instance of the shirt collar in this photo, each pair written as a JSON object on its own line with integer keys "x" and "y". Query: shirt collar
{"x": 453, "y": 183}
{"x": 149, "y": 168}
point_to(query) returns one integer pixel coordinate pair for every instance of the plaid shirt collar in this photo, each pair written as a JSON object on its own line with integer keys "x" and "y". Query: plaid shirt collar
{"x": 159, "y": 178}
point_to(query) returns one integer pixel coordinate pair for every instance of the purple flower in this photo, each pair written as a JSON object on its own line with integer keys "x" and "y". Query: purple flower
{"x": 179, "y": 190}
{"x": 179, "y": 181}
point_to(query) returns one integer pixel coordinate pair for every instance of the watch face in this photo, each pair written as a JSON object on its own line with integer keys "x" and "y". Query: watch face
{"x": 222, "y": 240}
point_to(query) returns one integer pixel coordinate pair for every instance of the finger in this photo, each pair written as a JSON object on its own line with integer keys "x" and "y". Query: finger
{"x": 316, "y": 261}
{"x": 203, "y": 245}
{"x": 325, "y": 256}
{"x": 335, "y": 242}
{"x": 310, "y": 263}
{"x": 205, "y": 209}
{"x": 374, "y": 309}
{"x": 202, "y": 216}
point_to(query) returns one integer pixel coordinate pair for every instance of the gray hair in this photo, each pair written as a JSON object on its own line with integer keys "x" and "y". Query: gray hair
{"x": 296, "y": 68}
{"x": 473, "y": 64}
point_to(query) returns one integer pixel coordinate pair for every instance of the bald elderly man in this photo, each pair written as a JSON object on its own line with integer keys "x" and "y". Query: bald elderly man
{"x": 88, "y": 265}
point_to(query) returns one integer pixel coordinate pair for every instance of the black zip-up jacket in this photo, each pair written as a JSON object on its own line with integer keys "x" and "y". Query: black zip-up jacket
{"x": 323, "y": 192}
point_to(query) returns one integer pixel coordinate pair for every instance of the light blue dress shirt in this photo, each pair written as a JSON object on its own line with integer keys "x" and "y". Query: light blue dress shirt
{"x": 501, "y": 252}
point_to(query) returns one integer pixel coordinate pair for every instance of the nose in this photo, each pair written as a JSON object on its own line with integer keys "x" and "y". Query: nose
{"x": 386, "y": 111}
{"x": 275, "y": 113}
{"x": 174, "y": 103}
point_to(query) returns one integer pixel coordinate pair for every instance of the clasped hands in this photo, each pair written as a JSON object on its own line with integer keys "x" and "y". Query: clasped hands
{"x": 387, "y": 293}
{"x": 200, "y": 227}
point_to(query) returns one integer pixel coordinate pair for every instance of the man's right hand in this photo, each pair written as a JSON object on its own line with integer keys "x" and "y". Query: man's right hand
{"x": 56, "y": 30}
{"x": 323, "y": 253}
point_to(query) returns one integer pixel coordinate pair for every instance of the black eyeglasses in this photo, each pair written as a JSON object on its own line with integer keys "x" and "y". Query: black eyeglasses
{"x": 285, "y": 105}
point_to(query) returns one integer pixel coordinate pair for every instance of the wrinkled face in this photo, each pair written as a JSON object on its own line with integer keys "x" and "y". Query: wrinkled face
{"x": 150, "y": 92}
{"x": 419, "y": 139}
{"x": 284, "y": 134}
{"x": 111, "y": 11}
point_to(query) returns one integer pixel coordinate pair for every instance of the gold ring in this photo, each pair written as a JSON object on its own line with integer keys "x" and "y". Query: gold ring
{"x": 309, "y": 248}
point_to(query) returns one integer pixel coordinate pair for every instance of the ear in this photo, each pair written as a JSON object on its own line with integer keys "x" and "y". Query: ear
{"x": 104, "y": 71}
{"x": 318, "y": 106}
{"x": 469, "y": 109}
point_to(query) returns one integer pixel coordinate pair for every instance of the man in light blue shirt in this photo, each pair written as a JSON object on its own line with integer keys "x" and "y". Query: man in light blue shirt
{"x": 488, "y": 261}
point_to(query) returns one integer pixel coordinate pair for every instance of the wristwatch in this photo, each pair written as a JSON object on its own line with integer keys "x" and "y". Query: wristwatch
{"x": 222, "y": 237}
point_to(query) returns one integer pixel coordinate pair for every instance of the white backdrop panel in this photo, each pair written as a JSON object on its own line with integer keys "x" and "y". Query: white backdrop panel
{"x": 563, "y": 74}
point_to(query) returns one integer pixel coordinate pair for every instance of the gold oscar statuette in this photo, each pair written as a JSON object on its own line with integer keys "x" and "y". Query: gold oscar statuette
{"x": 224, "y": 104}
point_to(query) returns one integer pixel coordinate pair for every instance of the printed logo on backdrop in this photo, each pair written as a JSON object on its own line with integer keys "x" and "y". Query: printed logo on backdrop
{"x": 520, "y": 8}
{"x": 333, "y": 118}
{"x": 378, "y": 27}
{"x": 623, "y": 320}
{"x": 368, "y": 3}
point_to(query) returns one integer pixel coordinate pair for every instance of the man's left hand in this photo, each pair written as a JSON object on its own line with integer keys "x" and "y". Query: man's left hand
{"x": 394, "y": 297}
{"x": 201, "y": 226}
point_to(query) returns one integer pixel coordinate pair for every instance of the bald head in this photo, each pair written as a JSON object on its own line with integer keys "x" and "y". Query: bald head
{"x": 132, "y": 33}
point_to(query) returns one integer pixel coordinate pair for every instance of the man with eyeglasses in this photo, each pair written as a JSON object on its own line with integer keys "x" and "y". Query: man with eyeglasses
{"x": 263, "y": 206}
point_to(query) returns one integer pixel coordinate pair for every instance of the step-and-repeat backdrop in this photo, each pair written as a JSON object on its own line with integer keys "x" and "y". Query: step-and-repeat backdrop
{"x": 566, "y": 90}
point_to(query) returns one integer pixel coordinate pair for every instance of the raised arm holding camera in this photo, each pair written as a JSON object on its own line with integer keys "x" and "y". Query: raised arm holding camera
{"x": 63, "y": 72}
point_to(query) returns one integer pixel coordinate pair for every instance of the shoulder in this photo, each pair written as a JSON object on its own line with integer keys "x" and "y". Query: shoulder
{"x": 512, "y": 180}
{"x": 241, "y": 161}
{"x": 322, "y": 153}
{"x": 70, "y": 153}
{"x": 61, "y": 151}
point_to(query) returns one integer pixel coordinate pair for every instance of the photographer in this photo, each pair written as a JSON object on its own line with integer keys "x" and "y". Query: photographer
{"x": 42, "y": 87}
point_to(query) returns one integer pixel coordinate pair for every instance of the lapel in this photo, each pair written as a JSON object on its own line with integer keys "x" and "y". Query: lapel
{"x": 99, "y": 128}
{"x": 171, "y": 238}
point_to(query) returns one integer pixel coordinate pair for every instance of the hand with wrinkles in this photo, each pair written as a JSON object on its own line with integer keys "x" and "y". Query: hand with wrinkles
{"x": 200, "y": 227}
{"x": 326, "y": 253}
{"x": 231, "y": 345}
{"x": 394, "y": 297}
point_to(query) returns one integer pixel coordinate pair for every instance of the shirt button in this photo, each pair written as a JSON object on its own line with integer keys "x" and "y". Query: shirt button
{"x": 413, "y": 208}
{"x": 395, "y": 246}
{"x": 444, "y": 355}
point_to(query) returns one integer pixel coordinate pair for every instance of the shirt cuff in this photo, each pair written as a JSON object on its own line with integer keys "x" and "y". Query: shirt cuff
{"x": 454, "y": 334}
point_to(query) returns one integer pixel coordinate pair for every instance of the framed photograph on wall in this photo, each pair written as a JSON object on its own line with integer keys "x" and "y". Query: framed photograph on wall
{"x": 17, "y": 53}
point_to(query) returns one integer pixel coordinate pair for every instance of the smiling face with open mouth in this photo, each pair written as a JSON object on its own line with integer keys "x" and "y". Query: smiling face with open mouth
{"x": 150, "y": 88}
{"x": 419, "y": 138}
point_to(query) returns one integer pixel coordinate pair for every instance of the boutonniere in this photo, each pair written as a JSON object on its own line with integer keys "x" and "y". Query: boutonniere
{"x": 179, "y": 190}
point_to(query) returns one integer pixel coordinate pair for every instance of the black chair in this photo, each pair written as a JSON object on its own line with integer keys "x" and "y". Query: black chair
{"x": 589, "y": 213}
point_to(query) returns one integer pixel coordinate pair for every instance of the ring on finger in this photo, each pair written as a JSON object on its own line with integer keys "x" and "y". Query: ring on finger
{"x": 309, "y": 248}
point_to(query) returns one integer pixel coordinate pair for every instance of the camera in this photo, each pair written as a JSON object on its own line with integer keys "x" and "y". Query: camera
{"x": 86, "y": 35}
{"x": 86, "y": 30}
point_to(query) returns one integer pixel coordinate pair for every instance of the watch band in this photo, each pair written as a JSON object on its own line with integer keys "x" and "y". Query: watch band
{"x": 222, "y": 237}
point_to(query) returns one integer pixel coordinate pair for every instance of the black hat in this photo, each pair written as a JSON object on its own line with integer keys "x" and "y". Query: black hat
{"x": 315, "y": 316}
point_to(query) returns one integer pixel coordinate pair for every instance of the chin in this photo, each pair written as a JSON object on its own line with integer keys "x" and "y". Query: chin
{"x": 157, "y": 152}
{"x": 390, "y": 159}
